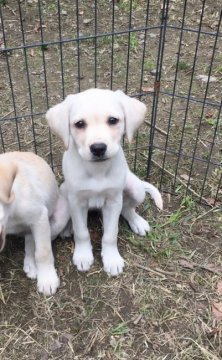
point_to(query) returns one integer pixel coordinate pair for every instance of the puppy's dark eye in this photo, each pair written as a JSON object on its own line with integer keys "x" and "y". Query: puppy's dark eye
{"x": 112, "y": 121}
{"x": 80, "y": 124}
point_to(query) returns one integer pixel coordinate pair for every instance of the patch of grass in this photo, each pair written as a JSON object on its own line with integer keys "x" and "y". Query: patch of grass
{"x": 120, "y": 329}
{"x": 125, "y": 4}
{"x": 134, "y": 42}
{"x": 183, "y": 66}
{"x": 52, "y": 7}
{"x": 44, "y": 47}
{"x": 219, "y": 69}
{"x": 149, "y": 65}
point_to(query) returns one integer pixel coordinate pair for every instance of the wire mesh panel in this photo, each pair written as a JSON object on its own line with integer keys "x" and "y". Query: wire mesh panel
{"x": 166, "y": 53}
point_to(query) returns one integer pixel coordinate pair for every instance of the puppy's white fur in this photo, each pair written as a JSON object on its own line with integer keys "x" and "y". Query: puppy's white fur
{"x": 31, "y": 204}
{"x": 83, "y": 121}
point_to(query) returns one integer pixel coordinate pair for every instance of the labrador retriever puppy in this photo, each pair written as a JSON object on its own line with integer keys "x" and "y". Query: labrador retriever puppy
{"x": 91, "y": 125}
{"x": 32, "y": 205}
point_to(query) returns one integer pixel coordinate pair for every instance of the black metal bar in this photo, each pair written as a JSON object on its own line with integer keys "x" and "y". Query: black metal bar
{"x": 11, "y": 85}
{"x": 45, "y": 80}
{"x": 78, "y": 46}
{"x": 183, "y": 155}
{"x": 112, "y": 45}
{"x": 213, "y": 104}
{"x": 202, "y": 114}
{"x": 189, "y": 93}
{"x": 142, "y": 75}
{"x": 101, "y": 35}
{"x": 210, "y": 152}
{"x": 61, "y": 48}
{"x": 27, "y": 75}
{"x": 219, "y": 187}
{"x": 128, "y": 46}
{"x": 164, "y": 14}
{"x": 95, "y": 43}
{"x": 173, "y": 94}
{"x": 201, "y": 118}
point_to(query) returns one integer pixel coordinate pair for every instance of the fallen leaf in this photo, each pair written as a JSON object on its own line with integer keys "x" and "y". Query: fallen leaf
{"x": 213, "y": 268}
{"x": 32, "y": 52}
{"x": 186, "y": 177}
{"x": 212, "y": 333}
{"x": 211, "y": 201}
{"x": 37, "y": 27}
{"x": 170, "y": 336}
{"x": 147, "y": 89}
{"x": 81, "y": 12}
{"x": 209, "y": 114}
{"x": 87, "y": 21}
{"x": 65, "y": 338}
{"x": 55, "y": 345}
{"x": 44, "y": 355}
{"x": 217, "y": 311}
{"x": 186, "y": 264}
{"x": 152, "y": 35}
{"x": 219, "y": 287}
{"x": 205, "y": 78}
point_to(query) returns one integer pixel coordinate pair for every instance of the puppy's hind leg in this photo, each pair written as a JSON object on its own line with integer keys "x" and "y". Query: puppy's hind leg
{"x": 47, "y": 278}
{"x": 136, "y": 222}
{"x": 29, "y": 261}
{"x": 60, "y": 217}
{"x": 134, "y": 195}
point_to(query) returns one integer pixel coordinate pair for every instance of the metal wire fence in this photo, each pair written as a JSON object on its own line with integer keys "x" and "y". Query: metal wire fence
{"x": 167, "y": 53}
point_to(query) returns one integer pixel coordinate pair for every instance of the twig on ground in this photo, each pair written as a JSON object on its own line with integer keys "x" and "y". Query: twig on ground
{"x": 189, "y": 264}
{"x": 155, "y": 271}
{"x": 10, "y": 9}
{"x": 10, "y": 112}
{"x": 163, "y": 132}
{"x": 206, "y": 213}
{"x": 179, "y": 179}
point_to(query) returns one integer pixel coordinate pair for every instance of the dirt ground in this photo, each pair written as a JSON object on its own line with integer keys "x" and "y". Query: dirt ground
{"x": 167, "y": 304}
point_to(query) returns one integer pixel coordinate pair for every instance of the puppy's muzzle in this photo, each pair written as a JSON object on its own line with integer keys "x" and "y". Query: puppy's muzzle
{"x": 98, "y": 150}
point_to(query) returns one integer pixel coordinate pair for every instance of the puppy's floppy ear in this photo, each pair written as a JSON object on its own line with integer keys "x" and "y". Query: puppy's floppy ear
{"x": 7, "y": 176}
{"x": 58, "y": 119}
{"x": 134, "y": 111}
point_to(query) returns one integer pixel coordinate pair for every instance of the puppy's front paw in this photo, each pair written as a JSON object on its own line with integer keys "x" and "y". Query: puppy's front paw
{"x": 83, "y": 257}
{"x": 113, "y": 263}
{"x": 30, "y": 267}
{"x": 139, "y": 225}
{"x": 47, "y": 281}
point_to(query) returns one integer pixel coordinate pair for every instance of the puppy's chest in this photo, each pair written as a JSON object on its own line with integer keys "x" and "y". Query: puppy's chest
{"x": 96, "y": 202}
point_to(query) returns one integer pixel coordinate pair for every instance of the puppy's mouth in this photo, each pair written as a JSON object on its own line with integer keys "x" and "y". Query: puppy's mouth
{"x": 100, "y": 159}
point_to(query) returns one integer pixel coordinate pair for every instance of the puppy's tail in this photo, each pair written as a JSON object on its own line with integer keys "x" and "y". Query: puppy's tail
{"x": 154, "y": 193}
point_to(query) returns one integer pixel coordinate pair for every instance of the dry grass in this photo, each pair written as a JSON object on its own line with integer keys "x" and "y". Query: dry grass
{"x": 157, "y": 309}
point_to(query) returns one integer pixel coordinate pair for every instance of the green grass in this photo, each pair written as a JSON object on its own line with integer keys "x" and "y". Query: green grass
{"x": 120, "y": 329}
{"x": 183, "y": 66}
{"x": 149, "y": 65}
{"x": 134, "y": 42}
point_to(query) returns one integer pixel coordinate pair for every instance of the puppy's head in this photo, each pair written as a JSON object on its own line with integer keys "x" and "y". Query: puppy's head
{"x": 96, "y": 120}
{"x": 7, "y": 176}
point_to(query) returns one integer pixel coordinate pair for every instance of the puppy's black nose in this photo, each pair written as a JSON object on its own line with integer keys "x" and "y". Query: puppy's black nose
{"x": 98, "y": 149}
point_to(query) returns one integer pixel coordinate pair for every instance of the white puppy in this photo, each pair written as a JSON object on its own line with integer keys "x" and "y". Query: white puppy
{"x": 91, "y": 125}
{"x": 31, "y": 204}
